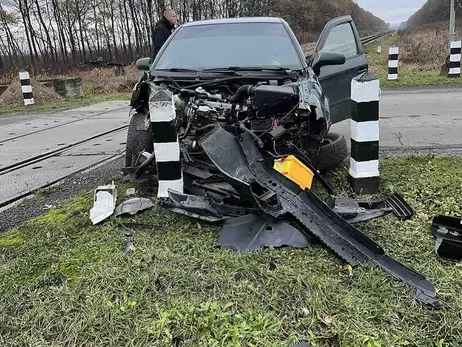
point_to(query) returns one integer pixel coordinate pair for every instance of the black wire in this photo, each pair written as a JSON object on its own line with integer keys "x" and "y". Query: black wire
{"x": 292, "y": 110}
{"x": 300, "y": 151}
{"x": 315, "y": 172}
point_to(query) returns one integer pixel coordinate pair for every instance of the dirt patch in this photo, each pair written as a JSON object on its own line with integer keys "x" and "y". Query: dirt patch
{"x": 99, "y": 81}
{"x": 13, "y": 93}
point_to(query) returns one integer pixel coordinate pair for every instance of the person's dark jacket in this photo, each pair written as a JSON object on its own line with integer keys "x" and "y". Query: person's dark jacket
{"x": 162, "y": 32}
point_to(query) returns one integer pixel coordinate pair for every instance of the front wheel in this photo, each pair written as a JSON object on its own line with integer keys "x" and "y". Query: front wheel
{"x": 139, "y": 139}
{"x": 334, "y": 150}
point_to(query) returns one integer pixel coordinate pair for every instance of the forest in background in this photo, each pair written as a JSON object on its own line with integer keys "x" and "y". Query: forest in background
{"x": 434, "y": 11}
{"x": 53, "y": 36}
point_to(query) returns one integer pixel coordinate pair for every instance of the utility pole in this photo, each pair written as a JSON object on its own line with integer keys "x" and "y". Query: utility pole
{"x": 452, "y": 24}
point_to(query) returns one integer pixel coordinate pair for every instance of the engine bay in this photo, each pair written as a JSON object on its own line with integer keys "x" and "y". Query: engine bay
{"x": 276, "y": 116}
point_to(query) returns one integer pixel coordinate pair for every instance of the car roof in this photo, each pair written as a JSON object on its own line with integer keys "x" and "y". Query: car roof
{"x": 235, "y": 20}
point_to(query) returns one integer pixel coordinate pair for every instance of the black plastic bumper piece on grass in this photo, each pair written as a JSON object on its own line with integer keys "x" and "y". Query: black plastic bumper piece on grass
{"x": 278, "y": 196}
{"x": 448, "y": 233}
{"x": 400, "y": 207}
{"x": 255, "y": 231}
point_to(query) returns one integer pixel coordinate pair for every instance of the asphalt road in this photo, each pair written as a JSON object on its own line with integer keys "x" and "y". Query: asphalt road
{"x": 410, "y": 120}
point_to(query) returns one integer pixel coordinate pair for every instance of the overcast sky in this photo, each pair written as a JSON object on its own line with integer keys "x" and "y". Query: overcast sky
{"x": 392, "y": 11}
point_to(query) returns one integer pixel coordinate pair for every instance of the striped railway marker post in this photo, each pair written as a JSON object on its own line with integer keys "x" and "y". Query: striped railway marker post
{"x": 364, "y": 174}
{"x": 26, "y": 88}
{"x": 454, "y": 59}
{"x": 165, "y": 138}
{"x": 393, "y": 54}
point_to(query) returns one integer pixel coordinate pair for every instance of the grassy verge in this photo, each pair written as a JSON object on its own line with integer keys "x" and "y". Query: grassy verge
{"x": 409, "y": 75}
{"x": 14, "y": 109}
{"x": 64, "y": 281}
{"x": 98, "y": 85}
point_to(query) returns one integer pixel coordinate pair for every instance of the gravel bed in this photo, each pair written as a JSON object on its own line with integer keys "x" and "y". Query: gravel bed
{"x": 68, "y": 187}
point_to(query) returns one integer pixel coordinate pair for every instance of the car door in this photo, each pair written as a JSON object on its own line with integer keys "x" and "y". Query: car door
{"x": 340, "y": 35}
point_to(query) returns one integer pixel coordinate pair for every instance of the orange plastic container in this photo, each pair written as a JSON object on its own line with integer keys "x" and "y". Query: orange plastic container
{"x": 295, "y": 170}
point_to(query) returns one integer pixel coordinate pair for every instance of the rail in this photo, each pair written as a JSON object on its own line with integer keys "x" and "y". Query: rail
{"x": 371, "y": 38}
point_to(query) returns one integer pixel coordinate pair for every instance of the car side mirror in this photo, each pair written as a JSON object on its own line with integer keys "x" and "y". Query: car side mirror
{"x": 328, "y": 58}
{"x": 143, "y": 64}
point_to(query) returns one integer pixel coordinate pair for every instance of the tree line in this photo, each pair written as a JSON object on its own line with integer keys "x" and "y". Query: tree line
{"x": 56, "y": 35}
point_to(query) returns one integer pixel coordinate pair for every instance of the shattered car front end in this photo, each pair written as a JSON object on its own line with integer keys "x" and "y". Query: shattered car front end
{"x": 289, "y": 114}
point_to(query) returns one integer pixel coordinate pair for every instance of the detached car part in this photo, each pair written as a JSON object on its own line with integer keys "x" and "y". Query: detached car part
{"x": 448, "y": 233}
{"x": 350, "y": 210}
{"x": 401, "y": 207}
{"x": 133, "y": 206}
{"x": 277, "y": 196}
{"x": 255, "y": 231}
{"x": 104, "y": 202}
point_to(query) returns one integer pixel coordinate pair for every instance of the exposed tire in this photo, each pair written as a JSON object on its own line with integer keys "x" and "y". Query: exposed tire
{"x": 138, "y": 139}
{"x": 334, "y": 150}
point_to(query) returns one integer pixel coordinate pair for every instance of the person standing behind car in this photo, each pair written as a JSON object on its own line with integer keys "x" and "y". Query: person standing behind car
{"x": 163, "y": 29}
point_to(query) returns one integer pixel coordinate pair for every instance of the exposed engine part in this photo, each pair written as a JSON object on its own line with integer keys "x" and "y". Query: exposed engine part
{"x": 272, "y": 114}
{"x": 243, "y": 92}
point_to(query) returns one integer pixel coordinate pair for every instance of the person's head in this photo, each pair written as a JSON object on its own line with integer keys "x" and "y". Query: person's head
{"x": 171, "y": 16}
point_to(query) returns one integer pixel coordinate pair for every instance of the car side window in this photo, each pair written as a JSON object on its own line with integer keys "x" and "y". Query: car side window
{"x": 341, "y": 39}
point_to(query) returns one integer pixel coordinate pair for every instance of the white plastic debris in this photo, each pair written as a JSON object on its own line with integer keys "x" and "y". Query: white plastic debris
{"x": 104, "y": 203}
{"x": 133, "y": 206}
{"x": 130, "y": 191}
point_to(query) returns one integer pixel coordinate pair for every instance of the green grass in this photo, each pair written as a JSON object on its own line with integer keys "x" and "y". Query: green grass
{"x": 65, "y": 282}
{"x": 14, "y": 109}
{"x": 408, "y": 76}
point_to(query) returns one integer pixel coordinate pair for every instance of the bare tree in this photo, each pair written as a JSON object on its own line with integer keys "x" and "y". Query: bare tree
{"x": 58, "y": 34}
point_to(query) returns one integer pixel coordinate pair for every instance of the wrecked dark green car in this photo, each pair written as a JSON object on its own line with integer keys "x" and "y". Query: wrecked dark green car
{"x": 223, "y": 104}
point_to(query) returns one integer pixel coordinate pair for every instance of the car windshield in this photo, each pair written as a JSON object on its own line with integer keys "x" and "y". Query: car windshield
{"x": 230, "y": 44}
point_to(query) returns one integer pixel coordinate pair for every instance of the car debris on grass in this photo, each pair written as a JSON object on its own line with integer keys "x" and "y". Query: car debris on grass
{"x": 105, "y": 199}
{"x": 104, "y": 203}
{"x": 448, "y": 236}
{"x": 241, "y": 142}
{"x": 177, "y": 274}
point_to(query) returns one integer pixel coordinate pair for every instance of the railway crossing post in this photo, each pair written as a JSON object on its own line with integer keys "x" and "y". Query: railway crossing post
{"x": 166, "y": 143}
{"x": 454, "y": 59}
{"x": 452, "y": 24}
{"x": 363, "y": 175}
{"x": 26, "y": 88}
{"x": 393, "y": 54}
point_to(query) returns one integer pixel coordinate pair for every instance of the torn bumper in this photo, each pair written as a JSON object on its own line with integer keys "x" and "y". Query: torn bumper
{"x": 252, "y": 176}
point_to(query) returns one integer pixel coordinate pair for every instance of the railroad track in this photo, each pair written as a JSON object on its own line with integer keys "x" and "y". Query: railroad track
{"x": 41, "y": 169}
{"x": 371, "y": 38}
{"x": 55, "y": 152}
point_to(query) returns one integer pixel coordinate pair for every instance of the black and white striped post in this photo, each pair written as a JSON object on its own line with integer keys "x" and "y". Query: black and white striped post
{"x": 393, "y": 54}
{"x": 454, "y": 59}
{"x": 26, "y": 88}
{"x": 364, "y": 174}
{"x": 165, "y": 138}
